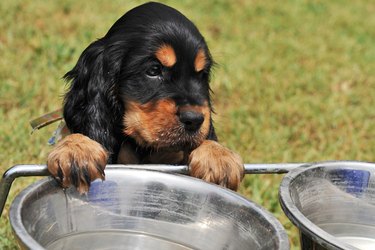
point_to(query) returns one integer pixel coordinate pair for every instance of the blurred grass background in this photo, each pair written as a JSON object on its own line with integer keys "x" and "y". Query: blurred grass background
{"x": 295, "y": 80}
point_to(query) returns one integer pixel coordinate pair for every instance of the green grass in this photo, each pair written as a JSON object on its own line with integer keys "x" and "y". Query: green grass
{"x": 295, "y": 81}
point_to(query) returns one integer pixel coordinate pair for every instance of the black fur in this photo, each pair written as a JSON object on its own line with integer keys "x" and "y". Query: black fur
{"x": 114, "y": 69}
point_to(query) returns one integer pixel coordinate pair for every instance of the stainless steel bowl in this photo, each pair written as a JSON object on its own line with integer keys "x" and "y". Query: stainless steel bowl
{"x": 140, "y": 209}
{"x": 332, "y": 203}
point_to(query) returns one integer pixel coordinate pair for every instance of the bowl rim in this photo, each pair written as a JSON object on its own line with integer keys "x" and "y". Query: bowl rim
{"x": 27, "y": 241}
{"x": 317, "y": 234}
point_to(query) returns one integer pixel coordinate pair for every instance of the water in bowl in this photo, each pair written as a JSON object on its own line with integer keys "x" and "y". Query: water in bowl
{"x": 113, "y": 239}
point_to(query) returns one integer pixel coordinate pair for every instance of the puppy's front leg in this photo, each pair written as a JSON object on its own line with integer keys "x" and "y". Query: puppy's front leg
{"x": 215, "y": 163}
{"x": 77, "y": 160}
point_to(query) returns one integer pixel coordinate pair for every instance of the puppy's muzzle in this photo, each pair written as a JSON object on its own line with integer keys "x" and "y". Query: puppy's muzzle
{"x": 192, "y": 120}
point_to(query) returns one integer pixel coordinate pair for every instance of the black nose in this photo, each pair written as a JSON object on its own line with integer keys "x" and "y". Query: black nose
{"x": 192, "y": 120}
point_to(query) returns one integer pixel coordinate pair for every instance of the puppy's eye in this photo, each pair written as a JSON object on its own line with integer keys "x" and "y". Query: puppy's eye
{"x": 154, "y": 71}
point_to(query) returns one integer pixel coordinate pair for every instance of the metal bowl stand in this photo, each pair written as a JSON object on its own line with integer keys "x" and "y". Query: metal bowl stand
{"x": 26, "y": 170}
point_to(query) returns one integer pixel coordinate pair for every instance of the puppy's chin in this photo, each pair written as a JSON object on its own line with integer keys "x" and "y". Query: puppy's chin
{"x": 173, "y": 140}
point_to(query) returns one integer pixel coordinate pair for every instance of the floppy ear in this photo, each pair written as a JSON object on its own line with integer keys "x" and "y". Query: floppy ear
{"x": 91, "y": 105}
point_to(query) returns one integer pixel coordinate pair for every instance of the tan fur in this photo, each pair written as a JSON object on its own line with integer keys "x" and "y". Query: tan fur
{"x": 200, "y": 61}
{"x": 156, "y": 124}
{"x": 85, "y": 152}
{"x": 166, "y": 55}
{"x": 146, "y": 123}
{"x": 215, "y": 163}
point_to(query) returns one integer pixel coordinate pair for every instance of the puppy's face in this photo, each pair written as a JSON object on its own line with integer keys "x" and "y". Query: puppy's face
{"x": 163, "y": 81}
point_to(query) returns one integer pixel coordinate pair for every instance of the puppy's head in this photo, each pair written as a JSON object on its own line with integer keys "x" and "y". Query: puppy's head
{"x": 155, "y": 65}
{"x": 164, "y": 78}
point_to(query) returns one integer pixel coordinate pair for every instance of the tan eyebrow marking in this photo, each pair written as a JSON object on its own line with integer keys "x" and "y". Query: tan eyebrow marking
{"x": 200, "y": 60}
{"x": 166, "y": 55}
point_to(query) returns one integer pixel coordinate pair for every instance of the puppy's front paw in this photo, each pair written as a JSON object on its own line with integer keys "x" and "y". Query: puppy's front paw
{"x": 77, "y": 160}
{"x": 215, "y": 163}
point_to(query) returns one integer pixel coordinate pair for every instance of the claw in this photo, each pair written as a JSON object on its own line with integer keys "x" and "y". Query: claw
{"x": 74, "y": 173}
{"x": 100, "y": 170}
{"x": 86, "y": 175}
{"x": 60, "y": 176}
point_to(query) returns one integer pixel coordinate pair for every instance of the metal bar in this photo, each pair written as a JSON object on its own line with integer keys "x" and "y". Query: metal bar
{"x": 41, "y": 170}
{"x": 250, "y": 168}
{"x": 14, "y": 172}
{"x": 176, "y": 169}
{"x": 271, "y": 168}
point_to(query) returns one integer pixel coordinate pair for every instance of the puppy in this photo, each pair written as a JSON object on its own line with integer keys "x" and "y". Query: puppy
{"x": 141, "y": 95}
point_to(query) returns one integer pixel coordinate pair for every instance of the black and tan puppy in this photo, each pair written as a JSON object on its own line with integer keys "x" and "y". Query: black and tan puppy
{"x": 141, "y": 95}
